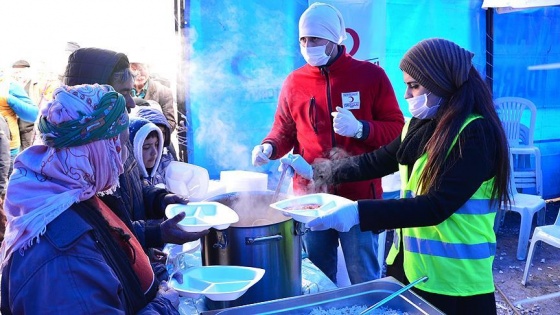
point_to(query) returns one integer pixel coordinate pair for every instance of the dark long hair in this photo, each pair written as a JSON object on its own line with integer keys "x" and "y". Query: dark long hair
{"x": 473, "y": 97}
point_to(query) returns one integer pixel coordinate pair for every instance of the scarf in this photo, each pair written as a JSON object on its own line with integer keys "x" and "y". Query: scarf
{"x": 46, "y": 180}
{"x": 414, "y": 143}
{"x": 104, "y": 122}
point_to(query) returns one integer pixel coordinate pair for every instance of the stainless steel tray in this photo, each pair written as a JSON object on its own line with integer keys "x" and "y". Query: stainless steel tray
{"x": 363, "y": 294}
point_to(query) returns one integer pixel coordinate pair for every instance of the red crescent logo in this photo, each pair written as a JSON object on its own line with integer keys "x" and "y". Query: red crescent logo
{"x": 356, "y": 40}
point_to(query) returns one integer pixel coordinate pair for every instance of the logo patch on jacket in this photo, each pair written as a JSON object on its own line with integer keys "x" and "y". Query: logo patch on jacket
{"x": 351, "y": 100}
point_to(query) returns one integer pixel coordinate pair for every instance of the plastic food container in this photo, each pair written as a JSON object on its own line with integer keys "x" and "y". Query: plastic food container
{"x": 218, "y": 283}
{"x": 202, "y": 216}
{"x": 308, "y": 207}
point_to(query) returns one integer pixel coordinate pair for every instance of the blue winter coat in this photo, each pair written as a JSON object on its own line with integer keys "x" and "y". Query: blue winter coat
{"x": 66, "y": 273}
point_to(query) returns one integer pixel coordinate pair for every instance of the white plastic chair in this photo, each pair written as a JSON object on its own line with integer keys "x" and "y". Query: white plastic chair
{"x": 511, "y": 111}
{"x": 527, "y": 167}
{"x": 549, "y": 234}
{"x": 526, "y": 205}
{"x": 526, "y": 156}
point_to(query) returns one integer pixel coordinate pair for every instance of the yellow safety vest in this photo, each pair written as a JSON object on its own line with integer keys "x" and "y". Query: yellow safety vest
{"x": 457, "y": 254}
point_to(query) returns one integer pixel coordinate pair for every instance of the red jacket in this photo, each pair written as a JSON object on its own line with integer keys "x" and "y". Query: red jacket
{"x": 303, "y": 118}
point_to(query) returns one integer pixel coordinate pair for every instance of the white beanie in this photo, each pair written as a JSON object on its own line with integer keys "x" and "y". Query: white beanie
{"x": 323, "y": 21}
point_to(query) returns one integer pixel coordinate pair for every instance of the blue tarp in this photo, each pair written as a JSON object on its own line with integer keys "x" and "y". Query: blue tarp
{"x": 241, "y": 51}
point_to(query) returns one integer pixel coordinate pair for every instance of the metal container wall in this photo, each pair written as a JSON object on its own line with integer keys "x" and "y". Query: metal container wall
{"x": 263, "y": 238}
{"x": 363, "y": 294}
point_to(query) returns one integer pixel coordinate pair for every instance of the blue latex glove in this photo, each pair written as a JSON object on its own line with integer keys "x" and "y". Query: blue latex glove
{"x": 261, "y": 154}
{"x": 344, "y": 122}
{"x": 295, "y": 162}
{"x": 341, "y": 218}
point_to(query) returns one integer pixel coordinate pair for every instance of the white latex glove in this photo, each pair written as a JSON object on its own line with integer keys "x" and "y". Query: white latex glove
{"x": 261, "y": 154}
{"x": 344, "y": 123}
{"x": 295, "y": 162}
{"x": 341, "y": 218}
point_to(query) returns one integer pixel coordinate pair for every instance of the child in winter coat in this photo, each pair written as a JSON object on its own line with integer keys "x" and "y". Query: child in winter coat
{"x": 156, "y": 116}
{"x": 147, "y": 143}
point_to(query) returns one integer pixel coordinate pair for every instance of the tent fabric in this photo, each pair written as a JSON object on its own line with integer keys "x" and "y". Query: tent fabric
{"x": 507, "y": 6}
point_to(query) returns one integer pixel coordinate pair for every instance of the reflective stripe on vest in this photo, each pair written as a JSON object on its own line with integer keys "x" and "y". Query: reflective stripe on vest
{"x": 456, "y": 254}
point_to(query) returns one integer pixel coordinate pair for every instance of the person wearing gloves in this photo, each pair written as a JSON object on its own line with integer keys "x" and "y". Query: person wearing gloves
{"x": 332, "y": 107}
{"x": 454, "y": 163}
{"x": 65, "y": 251}
{"x": 132, "y": 202}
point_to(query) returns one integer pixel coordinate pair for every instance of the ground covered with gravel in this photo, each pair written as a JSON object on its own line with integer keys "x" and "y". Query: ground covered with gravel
{"x": 544, "y": 273}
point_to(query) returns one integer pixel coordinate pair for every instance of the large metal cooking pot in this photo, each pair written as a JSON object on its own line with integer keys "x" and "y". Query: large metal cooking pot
{"x": 263, "y": 238}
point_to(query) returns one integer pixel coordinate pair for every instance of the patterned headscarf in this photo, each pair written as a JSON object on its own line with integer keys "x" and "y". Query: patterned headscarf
{"x": 47, "y": 180}
{"x": 84, "y": 127}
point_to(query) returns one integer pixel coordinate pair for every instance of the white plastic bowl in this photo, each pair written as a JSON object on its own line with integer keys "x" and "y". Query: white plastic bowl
{"x": 326, "y": 203}
{"x": 201, "y": 216}
{"x": 218, "y": 283}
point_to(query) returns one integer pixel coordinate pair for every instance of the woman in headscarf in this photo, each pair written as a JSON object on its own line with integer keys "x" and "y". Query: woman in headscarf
{"x": 453, "y": 160}
{"x": 65, "y": 251}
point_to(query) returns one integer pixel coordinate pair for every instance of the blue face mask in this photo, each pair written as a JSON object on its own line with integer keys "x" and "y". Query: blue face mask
{"x": 418, "y": 107}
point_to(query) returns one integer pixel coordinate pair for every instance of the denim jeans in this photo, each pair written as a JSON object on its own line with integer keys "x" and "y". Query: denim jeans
{"x": 359, "y": 248}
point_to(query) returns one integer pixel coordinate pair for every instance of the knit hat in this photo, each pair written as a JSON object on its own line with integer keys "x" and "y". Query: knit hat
{"x": 439, "y": 65}
{"x": 323, "y": 21}
{"x": 21, "y": 64}
{"x": 93, "y": 65}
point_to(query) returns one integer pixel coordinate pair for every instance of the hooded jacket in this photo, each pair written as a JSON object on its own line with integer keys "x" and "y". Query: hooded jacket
{"x": 168, "y": 155}
{"x": 139, "y": 129}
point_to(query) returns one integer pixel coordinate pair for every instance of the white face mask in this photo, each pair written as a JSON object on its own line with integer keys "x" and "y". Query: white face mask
{"x": 315, "y": 56}
{"x": 418, "y": 107}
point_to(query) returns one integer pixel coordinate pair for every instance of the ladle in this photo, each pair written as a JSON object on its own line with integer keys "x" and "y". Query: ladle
{"x": 277, "y": 191}
{"x": 393, "y": 295}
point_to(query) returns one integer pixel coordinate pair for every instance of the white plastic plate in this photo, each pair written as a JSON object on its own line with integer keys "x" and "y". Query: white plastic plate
{"x": 218, "y": 283}
{"x": 201, "y": 216}
{"x": 308, "y": 207}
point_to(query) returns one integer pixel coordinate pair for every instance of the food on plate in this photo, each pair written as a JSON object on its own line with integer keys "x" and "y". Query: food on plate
{"x": 307, "y": 206}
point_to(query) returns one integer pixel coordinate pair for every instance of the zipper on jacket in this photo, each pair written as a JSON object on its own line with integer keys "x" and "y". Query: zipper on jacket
{"x": 313, "y": 114}
{"x": 325, "y": 73}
